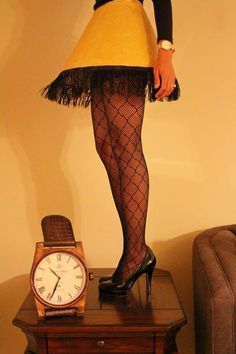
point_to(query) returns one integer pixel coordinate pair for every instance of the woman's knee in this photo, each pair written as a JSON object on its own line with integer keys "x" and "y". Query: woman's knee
{"x": 125, "y": 146}
{"x": 103, "y": 148}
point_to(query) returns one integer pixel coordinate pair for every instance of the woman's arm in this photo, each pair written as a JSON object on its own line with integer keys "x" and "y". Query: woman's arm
{"x": 163, "y": 66}
{"x": 163, "y": 19}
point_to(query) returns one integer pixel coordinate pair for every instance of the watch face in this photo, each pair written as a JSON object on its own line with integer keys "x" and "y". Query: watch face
{"x": 165, "y": 44}
{"x": 59, "y": 278}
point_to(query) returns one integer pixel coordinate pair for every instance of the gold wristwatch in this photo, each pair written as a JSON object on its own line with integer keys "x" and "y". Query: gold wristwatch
{"x": 167, "y": 45}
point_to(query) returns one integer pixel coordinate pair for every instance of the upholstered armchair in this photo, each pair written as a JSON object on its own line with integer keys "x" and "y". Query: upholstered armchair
{"x": 214, "y": 285}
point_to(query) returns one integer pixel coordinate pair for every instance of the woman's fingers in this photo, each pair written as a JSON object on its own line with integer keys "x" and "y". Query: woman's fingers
{"x": 170, "y": 84}
{"x": 167, "y": 82}
{"x": 163, "y": 89}
{"x": 156, "y": 78}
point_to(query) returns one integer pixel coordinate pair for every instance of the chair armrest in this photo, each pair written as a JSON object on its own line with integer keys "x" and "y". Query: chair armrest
{"x": 214, "y": 289}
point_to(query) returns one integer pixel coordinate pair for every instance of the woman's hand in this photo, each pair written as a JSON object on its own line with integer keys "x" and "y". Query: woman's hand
{"x": 163, "y": 67}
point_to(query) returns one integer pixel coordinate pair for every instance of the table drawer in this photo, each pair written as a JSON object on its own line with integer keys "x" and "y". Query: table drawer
{"x": 102, "y": 343}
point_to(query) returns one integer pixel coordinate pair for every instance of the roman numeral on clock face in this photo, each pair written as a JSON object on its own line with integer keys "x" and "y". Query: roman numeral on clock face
{"x": 77, "y": 287}
{"x": 58, "y": 257}
{"x": 41, "y": 289}
{"x": 78, "y": 265}
{"x": 48, "y": 296}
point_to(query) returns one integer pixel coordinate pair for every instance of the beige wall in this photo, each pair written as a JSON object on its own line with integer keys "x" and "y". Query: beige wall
{"x": 48, "y": 158}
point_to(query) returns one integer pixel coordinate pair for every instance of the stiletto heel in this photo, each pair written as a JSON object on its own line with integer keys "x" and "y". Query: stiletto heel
{"x": 122, "y": 288}
{"x": 149, "y": 274}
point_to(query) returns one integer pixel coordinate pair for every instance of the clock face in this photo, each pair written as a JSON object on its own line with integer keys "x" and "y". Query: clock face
{"x": 59, "y": 278}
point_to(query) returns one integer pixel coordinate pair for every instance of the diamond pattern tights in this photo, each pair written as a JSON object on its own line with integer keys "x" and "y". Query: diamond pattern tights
{"x": 117, "y": 124}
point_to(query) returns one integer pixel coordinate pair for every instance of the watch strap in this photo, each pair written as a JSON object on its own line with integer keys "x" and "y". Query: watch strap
{"x": 70, "y": 311}
{"x": 57, "y": 231}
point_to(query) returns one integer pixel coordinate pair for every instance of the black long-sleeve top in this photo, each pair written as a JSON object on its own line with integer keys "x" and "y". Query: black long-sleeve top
{"x": 163, "y": 17}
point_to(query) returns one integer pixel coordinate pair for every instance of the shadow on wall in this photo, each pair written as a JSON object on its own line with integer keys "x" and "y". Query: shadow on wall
{"x": 175, "y": 255}
{"x": 38, "y": 131}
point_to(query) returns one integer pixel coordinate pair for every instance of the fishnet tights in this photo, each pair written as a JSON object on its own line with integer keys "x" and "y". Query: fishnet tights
{"x": 117, "y": 123}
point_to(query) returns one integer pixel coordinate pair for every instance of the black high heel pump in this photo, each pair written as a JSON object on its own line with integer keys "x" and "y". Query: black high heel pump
{"x": 122, "y": 288}
{"x": 107, "y": 277}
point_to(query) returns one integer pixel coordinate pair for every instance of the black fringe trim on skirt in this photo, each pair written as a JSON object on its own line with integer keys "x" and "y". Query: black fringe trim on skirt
{"x": 74, "y": 86}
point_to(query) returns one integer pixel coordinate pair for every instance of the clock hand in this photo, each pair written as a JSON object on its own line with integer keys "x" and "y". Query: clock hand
{"x": 54, "y": 272}
{"x": 55, "y": 287}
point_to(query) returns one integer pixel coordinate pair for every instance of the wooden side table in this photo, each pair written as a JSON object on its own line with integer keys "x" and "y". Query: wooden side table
{"x": 131, "y": 324}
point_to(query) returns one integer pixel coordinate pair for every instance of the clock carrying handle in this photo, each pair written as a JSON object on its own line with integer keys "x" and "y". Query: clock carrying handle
{"x": 57, "y": 231}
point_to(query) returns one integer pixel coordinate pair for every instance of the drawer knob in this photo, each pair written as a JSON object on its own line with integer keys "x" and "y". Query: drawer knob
{"x": 100, "y": 343}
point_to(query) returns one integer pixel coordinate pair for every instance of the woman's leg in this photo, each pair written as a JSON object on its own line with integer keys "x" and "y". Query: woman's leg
{"x": 124, "y": 115}
{"x": 117, "y": 122}
{"x": 105, "y": 151}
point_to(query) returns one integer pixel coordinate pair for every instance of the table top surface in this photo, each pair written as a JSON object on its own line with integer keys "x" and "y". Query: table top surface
{"x": 115, "y": 313}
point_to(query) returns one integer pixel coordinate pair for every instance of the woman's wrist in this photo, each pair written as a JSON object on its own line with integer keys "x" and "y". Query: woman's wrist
{"x": 163, "y": 53}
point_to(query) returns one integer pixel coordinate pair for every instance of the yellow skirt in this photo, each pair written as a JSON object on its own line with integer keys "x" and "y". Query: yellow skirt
{"x": 116, "y": 51}
{"x": 119, "y": 33}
